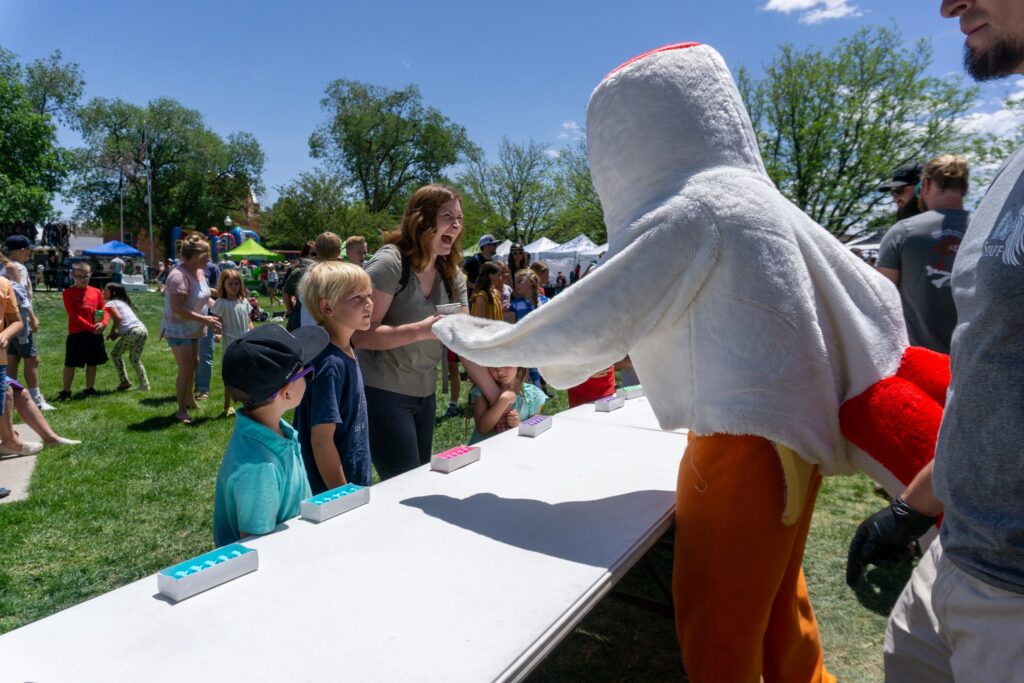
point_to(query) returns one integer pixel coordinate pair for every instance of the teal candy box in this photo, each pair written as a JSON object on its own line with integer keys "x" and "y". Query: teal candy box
{"x": 211, "y": 569}
{"x": 334, "y": 502}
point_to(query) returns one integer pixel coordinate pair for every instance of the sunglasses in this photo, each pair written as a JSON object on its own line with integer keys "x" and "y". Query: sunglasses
{"x": 294, "y": 378}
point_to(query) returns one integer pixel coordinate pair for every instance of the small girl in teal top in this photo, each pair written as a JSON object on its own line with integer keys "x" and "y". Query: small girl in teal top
{"x": 518, "y": 401}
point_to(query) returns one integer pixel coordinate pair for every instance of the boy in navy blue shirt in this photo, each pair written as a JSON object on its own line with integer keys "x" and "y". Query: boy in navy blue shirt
{"x": 331, "y": 420}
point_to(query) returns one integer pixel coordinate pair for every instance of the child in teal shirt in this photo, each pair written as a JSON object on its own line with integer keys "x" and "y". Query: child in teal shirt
{"x": 262, "y": 479}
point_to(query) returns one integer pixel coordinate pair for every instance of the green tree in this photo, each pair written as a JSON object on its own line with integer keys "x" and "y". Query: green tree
{"x": 385, "y": 143}
{"x": 52, "y": 86}
{"x": 197, "y": 176}
{"x": 307, "y": 206}
{"x": 579, "y": 206}
{"x": 832, "y": 125}
{"x": 32, "y": 167}
{"x": 517, "y": 194}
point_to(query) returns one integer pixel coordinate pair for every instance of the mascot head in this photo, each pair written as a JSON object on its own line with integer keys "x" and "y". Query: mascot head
{"x": 659, "y": 119}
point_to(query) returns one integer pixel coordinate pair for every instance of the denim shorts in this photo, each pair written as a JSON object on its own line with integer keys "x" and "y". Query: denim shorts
{"x": 23, "y": 349}
{"x": 179, "y": 341}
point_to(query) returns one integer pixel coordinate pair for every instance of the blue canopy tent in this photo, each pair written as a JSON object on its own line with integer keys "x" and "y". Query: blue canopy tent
{"x": 113, "y": 248}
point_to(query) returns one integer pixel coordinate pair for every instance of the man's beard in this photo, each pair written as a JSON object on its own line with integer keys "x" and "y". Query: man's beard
{"x": 911, "y": 208}
{"x": 1002, "y": 59}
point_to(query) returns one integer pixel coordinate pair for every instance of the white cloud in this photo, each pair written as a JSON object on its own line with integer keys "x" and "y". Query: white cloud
{"x": 553, "y": 153}
{"x": 815, "y": 11}
{"x": 1000, "y": 120}
{"x": 571, "y": 131}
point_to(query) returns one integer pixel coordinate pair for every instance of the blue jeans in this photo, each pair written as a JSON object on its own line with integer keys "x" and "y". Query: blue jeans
{"x": 401, "y": 430}
{"x": 204, "y": 371}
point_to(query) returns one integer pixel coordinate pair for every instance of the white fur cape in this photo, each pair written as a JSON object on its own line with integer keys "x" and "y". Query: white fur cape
{"x": 741, "y": 314}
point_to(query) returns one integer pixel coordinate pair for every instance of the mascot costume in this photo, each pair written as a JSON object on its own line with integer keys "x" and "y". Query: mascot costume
{"x": 784, "y": 355}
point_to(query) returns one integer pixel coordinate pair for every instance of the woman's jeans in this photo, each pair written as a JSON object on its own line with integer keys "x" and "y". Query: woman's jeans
{"x": 401, "y": 430}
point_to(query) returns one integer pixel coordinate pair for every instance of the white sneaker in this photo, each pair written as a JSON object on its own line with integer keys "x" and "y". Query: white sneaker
{"x": 42, "y": 404}
{"x": 62, "y": 441}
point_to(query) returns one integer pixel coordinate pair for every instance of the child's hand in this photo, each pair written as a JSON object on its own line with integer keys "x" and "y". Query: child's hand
{"x": 98, "y": 329}
{"x": 217, "y": 338}
{"x": 512, "y": 419}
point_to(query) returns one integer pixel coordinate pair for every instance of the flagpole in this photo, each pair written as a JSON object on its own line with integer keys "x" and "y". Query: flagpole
{"x": 149, "y": 200}
{"x": 120, "y": 190}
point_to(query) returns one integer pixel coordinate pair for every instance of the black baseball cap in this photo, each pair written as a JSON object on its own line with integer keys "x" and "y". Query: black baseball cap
{"x": 263, "y": 360}
{"x": 907, "y": 174}
{"x": 15, "y": 242}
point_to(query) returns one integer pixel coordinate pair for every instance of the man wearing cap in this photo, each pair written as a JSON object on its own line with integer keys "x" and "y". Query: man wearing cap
{"x": 471, "y": 265}
{"x": 904, "y": 190}
{"x": 959, "y": 617}
{"x": 917, "y": 253}
{"x": 19, "y": 250}
{"x": 262, "y": 479}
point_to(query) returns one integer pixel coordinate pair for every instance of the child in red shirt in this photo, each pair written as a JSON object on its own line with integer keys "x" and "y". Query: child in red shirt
{"x": 84, "y": 345}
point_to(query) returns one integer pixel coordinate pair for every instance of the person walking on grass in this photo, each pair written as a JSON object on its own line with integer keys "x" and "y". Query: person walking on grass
{"x": 204, "y": 370}
{"x": 131, "y": 335}
{"x": 19, "y": 251}
{"x": 185, "y": 319}
{"x": 87, "y": 318}
{"x": 232, "y": 308}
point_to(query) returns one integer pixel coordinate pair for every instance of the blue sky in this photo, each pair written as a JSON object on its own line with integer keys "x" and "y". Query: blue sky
{"x": 523, "y": 70}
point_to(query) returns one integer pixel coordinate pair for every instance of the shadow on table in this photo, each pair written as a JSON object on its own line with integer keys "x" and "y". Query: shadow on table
{"x": 577, "y": 531}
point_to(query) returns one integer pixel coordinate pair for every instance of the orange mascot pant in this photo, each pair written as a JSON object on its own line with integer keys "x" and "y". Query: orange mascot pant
{"x": 741, "y": 604}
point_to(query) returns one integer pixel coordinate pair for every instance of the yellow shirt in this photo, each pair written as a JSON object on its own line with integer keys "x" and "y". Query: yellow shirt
{"x": 482, "y": 308}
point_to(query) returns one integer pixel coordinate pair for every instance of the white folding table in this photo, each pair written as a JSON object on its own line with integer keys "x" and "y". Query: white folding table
{"x": 469, "y": 576}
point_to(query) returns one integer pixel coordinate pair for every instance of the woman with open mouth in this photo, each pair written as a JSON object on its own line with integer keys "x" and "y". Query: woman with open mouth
{"x": 415, "y": 272}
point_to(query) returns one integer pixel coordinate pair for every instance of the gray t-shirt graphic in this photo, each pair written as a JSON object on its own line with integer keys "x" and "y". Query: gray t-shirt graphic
{"x": 923, "y": 248}
{"x": 979, "y": 458}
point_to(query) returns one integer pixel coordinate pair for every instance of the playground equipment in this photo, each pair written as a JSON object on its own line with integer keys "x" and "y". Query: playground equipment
{"x": 221, "y": 240}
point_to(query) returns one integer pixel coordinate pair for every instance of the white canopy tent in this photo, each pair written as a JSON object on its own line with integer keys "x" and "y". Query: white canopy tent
{"x": 539, "y": 245}
{"x": 564, "y": 258}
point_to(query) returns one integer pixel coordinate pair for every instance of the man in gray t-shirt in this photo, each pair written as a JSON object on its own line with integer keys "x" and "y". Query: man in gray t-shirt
{"x": 961, "y": 616}
{"x": 918, "y": 253}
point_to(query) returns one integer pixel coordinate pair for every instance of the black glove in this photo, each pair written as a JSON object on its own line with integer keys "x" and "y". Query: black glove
{"x": 883, "y": 538}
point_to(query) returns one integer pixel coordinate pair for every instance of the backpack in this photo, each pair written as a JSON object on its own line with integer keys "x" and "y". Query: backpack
{"x": 407, "y": 271}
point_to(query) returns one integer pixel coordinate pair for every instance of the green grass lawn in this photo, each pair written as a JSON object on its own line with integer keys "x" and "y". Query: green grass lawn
{"x": 137, "y": 496}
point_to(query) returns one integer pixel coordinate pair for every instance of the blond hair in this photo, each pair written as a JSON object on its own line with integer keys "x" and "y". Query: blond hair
{"x": 949, "y": 172}
{"x": 330, "y": 281}
{"x": 194, "y": 245}
{"x": 529, "y": 274}
{"x": 222, "y": 280}
{"x": 328, "y": 246}
{"x": 354, "y": 239}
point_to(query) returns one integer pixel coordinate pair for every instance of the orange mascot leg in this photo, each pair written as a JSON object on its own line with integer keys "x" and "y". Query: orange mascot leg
{"x": 741, "y": 604}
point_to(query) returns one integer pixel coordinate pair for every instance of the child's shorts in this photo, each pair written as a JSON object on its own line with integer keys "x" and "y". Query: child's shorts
{"x": 23, "y": 349}
{"x": 84, "y": 348}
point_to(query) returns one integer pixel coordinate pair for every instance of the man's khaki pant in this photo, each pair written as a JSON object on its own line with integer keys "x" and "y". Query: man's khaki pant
{"x": 950, "y": 626}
